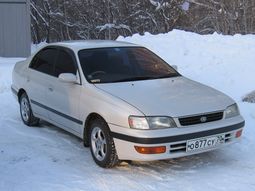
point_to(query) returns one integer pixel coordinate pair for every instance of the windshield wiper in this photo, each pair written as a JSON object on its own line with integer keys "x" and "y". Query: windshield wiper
{"x": 168, "y": 75}
{"x": 135, "y": 78}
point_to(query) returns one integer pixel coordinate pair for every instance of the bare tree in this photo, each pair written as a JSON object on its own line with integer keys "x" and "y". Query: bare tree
{"x": 57, "y": 20}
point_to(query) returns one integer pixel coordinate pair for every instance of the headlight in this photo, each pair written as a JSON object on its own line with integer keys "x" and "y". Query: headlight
{"x": 232, "y": 111}
{"x": 151, "y": 122}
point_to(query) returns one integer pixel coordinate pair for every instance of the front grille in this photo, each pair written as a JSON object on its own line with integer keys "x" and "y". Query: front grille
{"x": 192, "y": 120}
{"x": 176, "y": 148}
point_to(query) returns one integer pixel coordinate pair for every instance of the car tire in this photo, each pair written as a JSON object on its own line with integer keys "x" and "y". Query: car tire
{"x": 26, "y": 111}
{"x": 102, "y": 145}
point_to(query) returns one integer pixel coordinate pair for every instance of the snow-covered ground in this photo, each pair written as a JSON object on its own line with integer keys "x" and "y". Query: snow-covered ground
{"x": 46, "y": 158}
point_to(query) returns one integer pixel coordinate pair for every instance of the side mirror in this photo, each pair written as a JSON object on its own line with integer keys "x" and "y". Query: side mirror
{"x": 68, "y": 78}
{"x": 175, "y": 67}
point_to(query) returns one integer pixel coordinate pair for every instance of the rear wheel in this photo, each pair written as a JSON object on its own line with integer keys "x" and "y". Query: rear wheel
{"x": 26, "y": 112}
{"x": 101, "y": 145}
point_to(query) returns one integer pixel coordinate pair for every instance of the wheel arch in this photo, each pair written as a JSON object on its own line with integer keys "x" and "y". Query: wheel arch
{"x": 20, "y": 92}
{"x": 92, "y": 116}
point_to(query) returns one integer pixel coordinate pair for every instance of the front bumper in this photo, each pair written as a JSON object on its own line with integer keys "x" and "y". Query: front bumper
{"x": 174, "y": 140}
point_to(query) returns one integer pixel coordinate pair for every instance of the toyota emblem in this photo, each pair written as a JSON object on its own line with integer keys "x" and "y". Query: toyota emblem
{"x": 203, "y": 119}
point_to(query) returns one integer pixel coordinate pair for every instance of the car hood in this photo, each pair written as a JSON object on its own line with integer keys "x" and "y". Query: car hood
{"x": 174, "y": 97}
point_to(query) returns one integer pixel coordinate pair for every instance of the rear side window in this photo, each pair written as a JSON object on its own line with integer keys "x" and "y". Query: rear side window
{"x": 64, "y": 64}
{"x": 44, "y": 61}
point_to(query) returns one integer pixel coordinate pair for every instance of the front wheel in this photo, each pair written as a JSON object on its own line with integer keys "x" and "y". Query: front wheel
{"x": 101, "y": 145}
{"x": 26, "y": 112}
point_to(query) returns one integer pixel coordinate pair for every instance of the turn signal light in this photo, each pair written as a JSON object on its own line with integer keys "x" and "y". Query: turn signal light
{"x": 150, "y": 150}
{"x": 239, "y": 133}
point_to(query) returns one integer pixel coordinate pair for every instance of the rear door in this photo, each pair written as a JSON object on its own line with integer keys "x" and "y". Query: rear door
{"x": 40, "y": 73}
{"x": 64, "y": 97}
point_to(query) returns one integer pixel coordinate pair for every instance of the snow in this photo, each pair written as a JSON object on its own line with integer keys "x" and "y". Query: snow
{"x": 47, "y": 158}
{"x": 250, "y": 97}
{"x": 159, "y": 5}
{"x": 112, "y": 25}
{"x": 185, "y": 6}
{"x": 35, "y": 47}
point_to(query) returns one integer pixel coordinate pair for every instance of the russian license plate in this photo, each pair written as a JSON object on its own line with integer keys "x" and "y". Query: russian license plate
{"x": 204, "y": 143}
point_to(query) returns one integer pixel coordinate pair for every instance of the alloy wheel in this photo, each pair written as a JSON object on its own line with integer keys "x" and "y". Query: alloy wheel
{"x": 98, "y": 143}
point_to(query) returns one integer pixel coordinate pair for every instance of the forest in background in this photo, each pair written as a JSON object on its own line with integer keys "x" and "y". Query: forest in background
{"x": 58, "y": 20}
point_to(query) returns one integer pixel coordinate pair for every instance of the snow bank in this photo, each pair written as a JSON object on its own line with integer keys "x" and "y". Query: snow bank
{"x": 223, "y": 62}
{"x": 47, "y": 158}
{"x": 250, "y": 97}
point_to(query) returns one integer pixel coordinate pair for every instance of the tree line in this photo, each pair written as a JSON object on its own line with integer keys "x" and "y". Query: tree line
{"x": 58, "y": 20}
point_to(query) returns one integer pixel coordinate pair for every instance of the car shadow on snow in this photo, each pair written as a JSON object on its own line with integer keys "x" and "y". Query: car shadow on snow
{"x": 188, "y": 164}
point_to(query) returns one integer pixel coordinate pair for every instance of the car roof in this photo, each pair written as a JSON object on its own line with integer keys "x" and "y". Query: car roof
{"x": 89, "y": 44}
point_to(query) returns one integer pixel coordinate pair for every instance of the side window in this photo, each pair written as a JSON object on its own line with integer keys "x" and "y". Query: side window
{"x": 44, "y": 61}
{"x": 64, "y": 64}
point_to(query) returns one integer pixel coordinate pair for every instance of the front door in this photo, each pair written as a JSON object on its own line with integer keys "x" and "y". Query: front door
{"x": 64, "y": 97}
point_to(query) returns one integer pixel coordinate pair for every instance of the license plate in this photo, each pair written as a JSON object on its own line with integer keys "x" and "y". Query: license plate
{"x": 204, "y": 143}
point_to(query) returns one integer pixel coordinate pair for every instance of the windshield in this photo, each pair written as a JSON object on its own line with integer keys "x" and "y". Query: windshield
{"x": 109, "y": 65}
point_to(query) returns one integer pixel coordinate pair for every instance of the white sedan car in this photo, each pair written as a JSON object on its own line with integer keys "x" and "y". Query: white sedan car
{"x": 124, "y": 101}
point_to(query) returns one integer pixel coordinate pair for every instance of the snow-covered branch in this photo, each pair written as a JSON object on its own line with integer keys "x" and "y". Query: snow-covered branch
{"x": 159, "y": 5}
{"x": 110, "y": 26}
